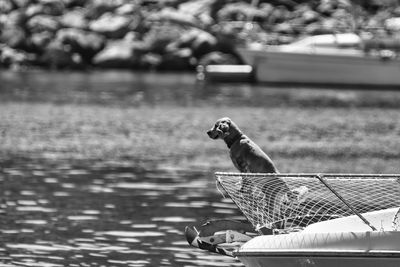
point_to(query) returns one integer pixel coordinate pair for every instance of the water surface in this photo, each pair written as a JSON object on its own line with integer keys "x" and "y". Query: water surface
{"x": 60, "y": 212}
{"x": 127, "y": 212}
{"x": 63, "y": 213}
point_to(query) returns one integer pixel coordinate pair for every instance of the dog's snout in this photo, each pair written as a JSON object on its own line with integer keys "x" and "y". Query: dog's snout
{"x": 212, "y": 134}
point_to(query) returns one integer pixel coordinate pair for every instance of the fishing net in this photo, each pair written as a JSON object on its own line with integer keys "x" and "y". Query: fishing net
{"x": 291, "y": 201}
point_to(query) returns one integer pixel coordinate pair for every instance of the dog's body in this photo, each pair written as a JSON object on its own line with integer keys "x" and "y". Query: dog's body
{"x": 246, "y": 155}
{"x": 249, "y": 158}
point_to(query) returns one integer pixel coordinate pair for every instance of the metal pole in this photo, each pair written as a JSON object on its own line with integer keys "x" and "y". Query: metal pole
{"x": 346, "y": 203}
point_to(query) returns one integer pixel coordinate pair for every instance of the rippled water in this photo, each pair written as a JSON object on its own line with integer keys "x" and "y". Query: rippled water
{"x": 97, "y": 213}
{"x": 83, "y": 213}
{"x": 56, "y": 213}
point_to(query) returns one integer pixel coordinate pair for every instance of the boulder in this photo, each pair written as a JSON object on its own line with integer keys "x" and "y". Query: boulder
{"x": 41, "y": 23}
{"x": 14, "y": 36}
{"x": 158, "y": 39}
{"x": 110, "y": 25}
{"x": 16, "y": 17}
{"x": 5, "y": 6}
{"x": 22, "y": 3}
{"x": 58, "y": 56}
{"x": 218, "y": 58}
{"x": 74, "y": 3}
{"x": 33, "y": 10}
{"x": 201, "y": 9}
{"x": 75, "y": 19}
{"x": 326, "y": 8}
{"x": 200, "y": 42}
{"x": 117, "y": 54}
{"x": 86, "y": 44}
{"x": 150, "y": 60}
{"x": 175, "y": 16}
{"x": 283, "y": 28}
{"x": 46, "y": 7}
{"x": 318, "y": 28}
{"x": 241, "y": 11}
{"x": 279, "y": 15}
{"x": 13, "y": 58}
{"x": 178, "y": 60}
{"x": 40, "y": 40}
{"x": 203, "y": 44}
{"x": 128, "y": 9}
{"x": 53, "y": 7}
{"x": 393, "y": 24}
{"x": 97, "y": 8}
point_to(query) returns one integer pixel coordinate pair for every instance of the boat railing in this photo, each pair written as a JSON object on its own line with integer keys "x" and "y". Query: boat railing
{"x": 289, "y": 202}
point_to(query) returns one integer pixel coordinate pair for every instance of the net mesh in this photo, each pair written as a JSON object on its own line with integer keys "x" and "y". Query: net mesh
{"x": 290, "y": 201}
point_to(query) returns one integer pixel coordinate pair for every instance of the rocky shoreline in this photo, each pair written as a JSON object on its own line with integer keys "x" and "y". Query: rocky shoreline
{"x": 170, "y": 34}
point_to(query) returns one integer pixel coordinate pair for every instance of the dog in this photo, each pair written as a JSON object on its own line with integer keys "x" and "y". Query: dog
{"x": 248, "y": 157}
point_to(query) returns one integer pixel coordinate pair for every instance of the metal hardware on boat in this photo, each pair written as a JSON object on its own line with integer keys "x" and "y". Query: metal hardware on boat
{"x": 346, "y": 203}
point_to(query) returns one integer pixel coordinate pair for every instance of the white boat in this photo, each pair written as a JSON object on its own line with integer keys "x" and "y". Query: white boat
{"x": 329, "y": 220}
{"x": 332, "y": 59}
{"x": 340, "y": 242}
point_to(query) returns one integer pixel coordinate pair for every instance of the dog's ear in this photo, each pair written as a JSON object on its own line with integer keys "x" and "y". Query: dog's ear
{"x": 223, "y": 127}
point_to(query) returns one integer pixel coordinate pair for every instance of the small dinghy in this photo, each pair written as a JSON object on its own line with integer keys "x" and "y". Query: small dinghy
{"x": 315, "y": 220}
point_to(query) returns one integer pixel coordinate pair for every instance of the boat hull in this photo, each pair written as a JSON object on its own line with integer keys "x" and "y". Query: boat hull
{"x": 345, "y": 249}
{"x": 321, "y": 260}
{"x": 274, "y": 66}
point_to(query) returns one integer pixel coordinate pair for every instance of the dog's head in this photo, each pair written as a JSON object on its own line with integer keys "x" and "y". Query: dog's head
{"x": 221, "y": 129}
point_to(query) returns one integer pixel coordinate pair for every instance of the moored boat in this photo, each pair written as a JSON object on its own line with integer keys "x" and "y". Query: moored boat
{"x": 344, "y": 249}
{"x": 331, "y": 59}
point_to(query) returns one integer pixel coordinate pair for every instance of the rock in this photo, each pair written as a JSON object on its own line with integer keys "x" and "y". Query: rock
{"x": 326, "y": 8}
{"x": 97, "y": 8}
{"x": 279, "y": 15}
{"x": 16, "y": 17}
{"x": 41, "y": 23}
{"x": 242, "y": 12}
{"x": 46, "y": 7}
{"x": 218, "y": 58}
{"x": 110, "y": 25}
{"x": 317, "y": 28}
{"x": 33, "y": 10}
{"x": 200, "y": 42}
{"x": 13, "y": 58}
{"x": 58, "y": 56}
{"x": 196, "y": 7}
{"x": 150, "y": 60}
{"x": 175, "y": 16}
{"x": 310, "y": 16}
{"x": 3, "y": 20}
{"x": 201, "y": 9}
{"x": 393, "y": 24}
{"x": 179, "y": 60}
{"x": 117, "y": 54}
{"x": 22, "y": 3}
{"x": 74, "y": 19}
{"x": 128, "y": 9}
{"x": 203, "y": 44}
{"x": 40, "y": 40}
{"x": 74, "y": 3}
{"x": 5, "y": 6}
{"x": 53, "y": 7}
{"x": 14, "y": 36}
{"x": 158, "y": 38}
{"x": 86, "y": 44}
{"x": 283, "y": 28}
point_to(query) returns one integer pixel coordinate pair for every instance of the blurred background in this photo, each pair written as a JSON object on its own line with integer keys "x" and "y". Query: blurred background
{"x": 103, "y": 149}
